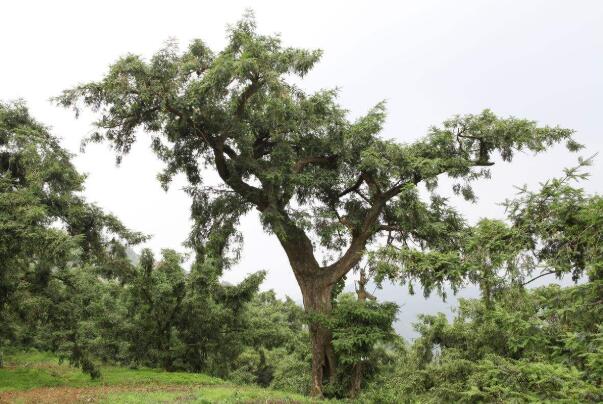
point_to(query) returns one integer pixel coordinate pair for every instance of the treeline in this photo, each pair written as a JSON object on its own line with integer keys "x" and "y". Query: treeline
{"x": 69, "y": 286}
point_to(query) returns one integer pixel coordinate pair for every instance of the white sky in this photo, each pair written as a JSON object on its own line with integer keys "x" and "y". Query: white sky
{"x": 541, "y": 60}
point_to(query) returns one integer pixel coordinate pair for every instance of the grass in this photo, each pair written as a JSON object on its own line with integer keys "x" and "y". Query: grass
{"x": 26, "y": 370}
{"x": 213, "y": 394}
{"x": 38, "y": 377}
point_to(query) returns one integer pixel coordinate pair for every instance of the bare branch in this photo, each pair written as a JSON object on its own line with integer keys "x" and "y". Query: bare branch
{"x": 539, "y": 276}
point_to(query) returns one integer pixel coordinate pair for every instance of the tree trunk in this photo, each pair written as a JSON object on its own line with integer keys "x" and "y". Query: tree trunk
{"x": 317, "y": 299}
{"x": 486, "y": 287}
{"x": 316, "y": 284}
{"x": 164, "y": 348}
{"x": 356, "y": 379}
{"x": 357, "y": 369}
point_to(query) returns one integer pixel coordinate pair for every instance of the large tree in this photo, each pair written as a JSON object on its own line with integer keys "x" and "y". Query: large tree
{"x": 327, "y": 187}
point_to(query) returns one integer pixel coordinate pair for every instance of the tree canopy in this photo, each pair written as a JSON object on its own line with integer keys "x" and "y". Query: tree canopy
{"x": 292, "y": 155}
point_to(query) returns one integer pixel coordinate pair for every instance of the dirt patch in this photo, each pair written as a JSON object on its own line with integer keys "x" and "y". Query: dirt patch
{"x": 65, "y": 395}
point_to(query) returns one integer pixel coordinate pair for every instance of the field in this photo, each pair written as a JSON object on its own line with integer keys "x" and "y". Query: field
{"x": 36, "y": 377}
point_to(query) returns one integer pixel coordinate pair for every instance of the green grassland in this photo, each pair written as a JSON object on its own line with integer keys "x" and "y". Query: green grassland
{"x": 40, "y": 377}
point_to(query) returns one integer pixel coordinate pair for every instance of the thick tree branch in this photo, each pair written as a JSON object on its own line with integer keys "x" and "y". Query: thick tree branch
{"x": 354, "y": 253}
{"x": 296, "y": 243}
{"x": 247, "y": 94}
{"x": 389, "y": 228}
{"x": 480, "y": 163}
{"x": 322, "y": 160}
{"x": 397, "y": 188}
{"x": 262, "y": 146}
{"x": 374, "y": 187}
{"x": 233, "y": 178}
{"x": 352, "y": 188}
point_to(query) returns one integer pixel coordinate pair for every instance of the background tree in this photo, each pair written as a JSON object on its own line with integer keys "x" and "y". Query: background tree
{"x": 47, "y": 233}
{"x": 516, "y": 344}
{"x": 316, "y": 178}
{"x": 277, "y": 344}
{"x": 213, "y": 321}
{"x": 157, "y": 292}
{"x": 360, "y": 328}
{"x": 528, "y": 345}
{"x": 68, "y": 283}
{"x": 551, "y": 231}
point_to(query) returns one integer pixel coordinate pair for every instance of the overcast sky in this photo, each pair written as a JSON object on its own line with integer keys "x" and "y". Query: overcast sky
{"x": 429, "y": 60}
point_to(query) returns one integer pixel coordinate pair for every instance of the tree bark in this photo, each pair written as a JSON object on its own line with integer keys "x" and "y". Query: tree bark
{"x": 356, "y": 383}
{"x": 316, "y": 284}
{"x": 317, "y": 300}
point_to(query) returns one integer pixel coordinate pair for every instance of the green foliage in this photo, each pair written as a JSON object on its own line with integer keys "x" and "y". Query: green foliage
{"x": 185, "y": 321}
{"x": 563, "y": 224}
{"x": 293, "y": 373}
{"x": 68, "y": 286}
{"x": 275, "y": 323}
{"x": 212, "y": 323}
{"x": 491, "y": 379}
{"x": 358, "y": 326}
{"x": 539, "y": 345}
{"x": 52, "y": 243}
{"x": 513, "y": 344}
{"x": 279, "y": 347}
{"x": 363, "y": 337}
{"x": 156, "y": 293}
{"x": 554, "y": 230}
